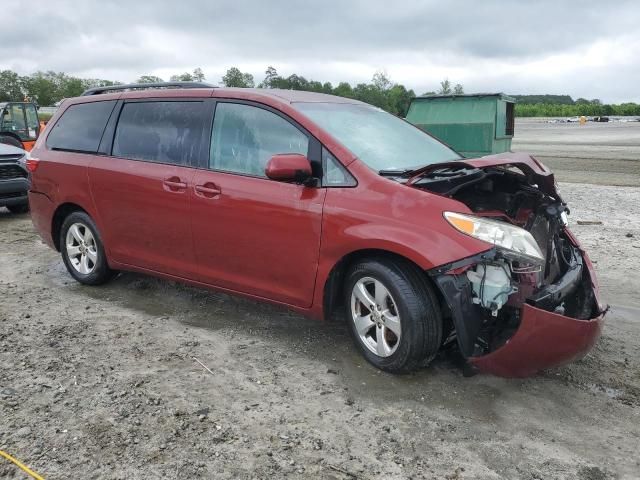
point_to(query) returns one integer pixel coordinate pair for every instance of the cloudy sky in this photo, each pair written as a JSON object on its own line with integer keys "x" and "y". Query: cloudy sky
{"x": 582, "y": 48}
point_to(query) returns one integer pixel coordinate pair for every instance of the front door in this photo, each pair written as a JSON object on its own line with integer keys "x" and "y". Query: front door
{"x": 252, "y": 234}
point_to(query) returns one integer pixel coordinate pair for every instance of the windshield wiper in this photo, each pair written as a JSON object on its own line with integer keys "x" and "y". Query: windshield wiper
{"x": 396, "y": 173}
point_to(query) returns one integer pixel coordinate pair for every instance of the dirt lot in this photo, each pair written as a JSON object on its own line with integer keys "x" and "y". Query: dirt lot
{"x": 600, "y": 153}
{"x": 107, "y": 382}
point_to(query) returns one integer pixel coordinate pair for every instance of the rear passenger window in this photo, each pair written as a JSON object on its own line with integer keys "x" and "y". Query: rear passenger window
{"x": 245, "y": 138}
{"x": 81, "y": 126}
{"x": 165, "y": 132}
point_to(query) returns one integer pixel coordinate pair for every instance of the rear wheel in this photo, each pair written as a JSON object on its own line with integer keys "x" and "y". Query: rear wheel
{"x": 17, "y": 209}
{"x": 13, "y": 141}
{"x": 82, "y": 250}
{"x": 393, "y": 314}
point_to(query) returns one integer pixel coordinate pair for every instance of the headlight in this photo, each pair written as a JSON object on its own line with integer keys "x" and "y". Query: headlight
{"x": 507, "y": 237}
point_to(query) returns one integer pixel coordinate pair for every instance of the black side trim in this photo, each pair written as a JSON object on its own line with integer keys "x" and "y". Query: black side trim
{"x": 466, "y": 316}
{"x": 457, "y": 292}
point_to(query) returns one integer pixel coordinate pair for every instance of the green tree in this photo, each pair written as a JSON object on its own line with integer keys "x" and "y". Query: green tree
{"x": 458, "y": 89}
{"x": 182, "y": 77}
{"x": 343, "y": 90}
{"x": 399, "y": 99}
{"x": 270, "y": 77}
{"x": 381, "y": 81}
{"x": 43, "y": 87}
{"x": 71, "y": 86}
{"x": 198, "y": 75}
{"x": 149, "y": 79}
{"x": 327, "y": 87}
{"x": 295, "y": 82}
{"x": 370, "y": 93}
{"x": 10, "y": 86}
{"x": 235, "y": 78}
{"x": 445, "y": 87}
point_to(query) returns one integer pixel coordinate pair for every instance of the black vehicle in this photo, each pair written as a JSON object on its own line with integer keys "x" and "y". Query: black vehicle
{"x": 14, "y": 179}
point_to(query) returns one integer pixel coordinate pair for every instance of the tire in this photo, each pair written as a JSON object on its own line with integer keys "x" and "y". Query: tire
{"x": 18, "y": 209}
{"x": 82, "y": 250}
{"x": 9, "y": 140}
{"x": 412, "y": 325}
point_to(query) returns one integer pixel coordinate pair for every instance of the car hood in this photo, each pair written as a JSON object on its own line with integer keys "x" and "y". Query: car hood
{"x": 10, "y": 150}
{"x": 533, "y": 168}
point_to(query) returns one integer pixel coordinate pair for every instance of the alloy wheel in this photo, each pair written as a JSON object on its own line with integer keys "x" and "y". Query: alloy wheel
{"x": 81, "y": 248}
{"x": 375, "y": 316}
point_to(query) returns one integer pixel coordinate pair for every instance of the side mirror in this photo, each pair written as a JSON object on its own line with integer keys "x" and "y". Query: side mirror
{"x": 289, "y": 167}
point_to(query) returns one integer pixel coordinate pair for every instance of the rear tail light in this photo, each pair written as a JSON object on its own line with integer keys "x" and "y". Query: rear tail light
{"x": 32, "y": 164}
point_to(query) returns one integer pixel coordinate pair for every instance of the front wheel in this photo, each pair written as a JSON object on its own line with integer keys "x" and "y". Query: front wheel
{"x": 82, "y": 250}
{"x": 393, "y": 314}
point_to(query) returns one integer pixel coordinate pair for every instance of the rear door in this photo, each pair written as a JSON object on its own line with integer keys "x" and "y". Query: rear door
{"x": 252, "y": 234}
{"x": 141, "y": 189}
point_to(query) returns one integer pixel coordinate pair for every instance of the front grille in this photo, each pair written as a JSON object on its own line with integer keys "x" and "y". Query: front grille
{"x": 10, "y": 158}
{"x": 10, "y": 171}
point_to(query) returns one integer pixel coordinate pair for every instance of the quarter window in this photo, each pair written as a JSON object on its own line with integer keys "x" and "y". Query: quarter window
{"x": 335, "y": 175}
{"x": 81, "y": 126}
{"x": 164, "y": 132}
{"x": 244, "y": 138}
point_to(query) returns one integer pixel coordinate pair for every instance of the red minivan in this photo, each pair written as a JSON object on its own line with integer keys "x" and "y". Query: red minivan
{"x": 320, "y": 203}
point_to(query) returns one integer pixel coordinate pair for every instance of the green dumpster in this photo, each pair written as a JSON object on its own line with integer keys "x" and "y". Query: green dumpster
{"x": 474, "y": 125}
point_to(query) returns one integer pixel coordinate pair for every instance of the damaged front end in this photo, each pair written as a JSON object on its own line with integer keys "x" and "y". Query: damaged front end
{"x": 529, "y": 302}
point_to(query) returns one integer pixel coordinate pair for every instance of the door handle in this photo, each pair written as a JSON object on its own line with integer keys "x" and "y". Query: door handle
{"x": 208, "y": 190}
{"x": 174, "y": 184}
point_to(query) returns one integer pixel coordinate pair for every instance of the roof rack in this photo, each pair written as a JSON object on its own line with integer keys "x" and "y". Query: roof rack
{"x": 143, "y": 86}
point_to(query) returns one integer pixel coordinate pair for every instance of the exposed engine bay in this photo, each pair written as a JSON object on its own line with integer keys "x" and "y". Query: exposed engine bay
{"x": 543, "y": 268}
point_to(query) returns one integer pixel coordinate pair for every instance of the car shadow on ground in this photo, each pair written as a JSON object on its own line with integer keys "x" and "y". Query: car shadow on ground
{"x": 319, "y": 341}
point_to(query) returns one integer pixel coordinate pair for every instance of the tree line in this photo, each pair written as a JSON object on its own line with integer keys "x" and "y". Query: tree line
{"x": 48, "y": 88}
{"x": 576, "y": 109}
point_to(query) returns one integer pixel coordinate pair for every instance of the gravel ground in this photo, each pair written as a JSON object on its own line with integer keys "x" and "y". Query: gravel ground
{"x": 144, "y": 378}
{"x": 599, "y": 153}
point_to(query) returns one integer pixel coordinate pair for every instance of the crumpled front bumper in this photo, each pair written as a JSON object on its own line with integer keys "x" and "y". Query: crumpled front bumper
{"x": 544, "y": 339}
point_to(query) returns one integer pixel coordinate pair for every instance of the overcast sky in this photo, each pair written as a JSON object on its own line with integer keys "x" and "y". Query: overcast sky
{"x": 582, "y": 48}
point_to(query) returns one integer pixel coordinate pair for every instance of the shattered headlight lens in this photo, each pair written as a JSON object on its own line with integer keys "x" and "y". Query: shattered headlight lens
{"x": 502, "y": 235}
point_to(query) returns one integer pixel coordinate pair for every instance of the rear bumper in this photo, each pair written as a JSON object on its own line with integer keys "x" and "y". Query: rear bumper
{"x": 14, "y": 191}
{"x": 42, "y": 216}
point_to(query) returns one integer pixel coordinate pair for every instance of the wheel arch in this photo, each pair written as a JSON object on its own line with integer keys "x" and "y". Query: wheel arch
{"x": 62, "y": 212}
{"x": 333, "y": 286}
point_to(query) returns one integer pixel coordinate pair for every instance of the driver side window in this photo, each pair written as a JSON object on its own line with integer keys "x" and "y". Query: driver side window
{"x": 245, "y": 137}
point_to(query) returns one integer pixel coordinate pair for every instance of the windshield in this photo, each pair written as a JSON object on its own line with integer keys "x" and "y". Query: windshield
{"x": 381, "y": 140}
